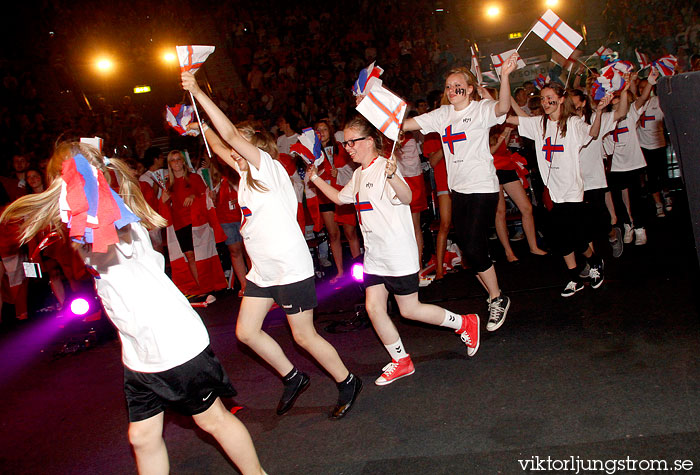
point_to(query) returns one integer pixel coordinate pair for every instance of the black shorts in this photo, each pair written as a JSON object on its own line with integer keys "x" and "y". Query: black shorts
{"x": 569, "y": 228}
{"x": 326, "y": 207}
{"x": 402, "y": 285}
{"x": 189, "y": 389}
{"x": 292, "y": 298}
{"x": 507, "y": 176}
{"x": 184, "y": 238}
{"x": 625, "y": 180}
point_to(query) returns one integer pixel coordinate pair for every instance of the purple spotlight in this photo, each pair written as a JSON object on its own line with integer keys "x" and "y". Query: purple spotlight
{"x": 358, "y": 272}
{"x": 79, "y": 307}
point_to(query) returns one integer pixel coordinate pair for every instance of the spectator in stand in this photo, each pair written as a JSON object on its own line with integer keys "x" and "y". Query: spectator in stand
{"x": 288, "y": 135}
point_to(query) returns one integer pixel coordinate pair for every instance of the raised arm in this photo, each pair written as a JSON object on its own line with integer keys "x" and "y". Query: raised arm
{"x": 217, "y": 145}
{"x": 410, "y": 124}
{"x": 509, "y": 66}
{"x": 624, "y": 106}
{"x": 595, "y": 126}
{"x": 228, "y": 132}
{"x": 325, "y": 188}
{"x": 651, "y": 80}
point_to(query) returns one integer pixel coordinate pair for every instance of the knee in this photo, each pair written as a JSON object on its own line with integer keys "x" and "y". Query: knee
{"x": 501, "y": 213}
{"x": 211, "y": 420}
{"x": 526, "y": 208}
{"x": 245, "y": 334}
{"x": 143, "y": 437}
{"x": 235, "y": 252}
{"x": 304, "y": 337}
{"x": 333, "y": 235}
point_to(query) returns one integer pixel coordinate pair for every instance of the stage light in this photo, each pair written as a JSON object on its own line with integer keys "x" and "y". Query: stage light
{"x": 104, "y": 65}
{"x": 357, "y": 272}
{"x": 79, "y": 307}
{"x": 169, "y": 57}
{"x": 551, "y": 3}
{"x": 493, "y": 11}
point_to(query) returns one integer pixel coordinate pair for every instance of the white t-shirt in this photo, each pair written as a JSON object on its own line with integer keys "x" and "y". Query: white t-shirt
{"x": 622, "y": 142}
{"x": 157, "y": 326}
{"x": 409, "y": 158}
{"x": 387, "y": 228}
{"x": 271, "y": 235}
{"x": 557, "y": 156}
{"x": 465, "y": 143}
{"x": 284, "y": 143}
{"x": 591, "y": 156}
{"x": 650, "y": 127}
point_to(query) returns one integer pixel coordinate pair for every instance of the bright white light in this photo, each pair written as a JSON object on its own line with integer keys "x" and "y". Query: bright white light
{"x": 79, "y": 306}
{"x": 551, "y": 3}
{"x": 104, "y": 64}
{"x": 358, "y": 272}
{"x": 169, "y": 57}
{"x": 493, "y": 11}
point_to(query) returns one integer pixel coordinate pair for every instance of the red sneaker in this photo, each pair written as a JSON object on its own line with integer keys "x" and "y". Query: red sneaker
{"x": 396, "y": 370}
{"x": 469, "y": 333}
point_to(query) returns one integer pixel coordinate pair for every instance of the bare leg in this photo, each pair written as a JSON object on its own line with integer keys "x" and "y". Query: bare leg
{"x": 626, "y": 201}
{"x": 350, "y": 231}
{"x": 419, "y": 236}
{"x": 146, "y": 437}
{"x": 445, "y": 205}
{"x": 489, "y": 280}
{"x": 375, "y": 302}
{"x": 192, "y": 263}
{"x": 249, "y": 332}
{"x": 414, "y": 309}
{"x": 239, "y": 268}
{"x": 232, "y": 435}
{"x": 334, "y": 242}
{"x": 611, "y": 207}
{"x": 305, "y": 334}
{"x": 502, "y": 227}
{"x": 517, "y": 193}
{"x": 570, "y": 260}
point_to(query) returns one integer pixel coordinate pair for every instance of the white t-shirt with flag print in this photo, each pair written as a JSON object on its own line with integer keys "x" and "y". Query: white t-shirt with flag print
{"x": 386, "y": 225}
{"x": 271, "y": 235}
{"x": 623, "y": 144}
{"x": 558, "y": 157}
{"x": 650, "y": 126}
{"x": 592, "y": 155}
{"x": 465, "y": 143}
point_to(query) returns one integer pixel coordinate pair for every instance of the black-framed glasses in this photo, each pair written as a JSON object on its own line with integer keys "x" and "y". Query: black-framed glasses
{"x": 351, "y": 143}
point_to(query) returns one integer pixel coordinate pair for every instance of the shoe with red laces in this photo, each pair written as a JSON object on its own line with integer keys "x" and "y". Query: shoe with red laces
{"x": 469, "y": 333}
{"x": 396, "y": 370}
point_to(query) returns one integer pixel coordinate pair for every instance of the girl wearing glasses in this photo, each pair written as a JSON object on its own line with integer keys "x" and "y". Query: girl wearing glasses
{"x": 382, "y": 199}
{"x": 464, "y": 125}
{"x": 559, "y": 136}
{"x": 282, "y": 270}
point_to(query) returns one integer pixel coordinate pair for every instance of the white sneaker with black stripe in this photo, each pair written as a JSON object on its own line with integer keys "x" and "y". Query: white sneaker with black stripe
{"x": 571, "y": 288}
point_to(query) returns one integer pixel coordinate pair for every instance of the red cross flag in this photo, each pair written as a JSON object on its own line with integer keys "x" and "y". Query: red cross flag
{"x": 642, "y": 59}
{"x": 385, "y": 110}
{"x": 475, "y": 68}
{"x": 604, "y": 51}
{"x": 560, "y": 36}
{"x": 499, "y": 59}
{"x": 193, "y": 56}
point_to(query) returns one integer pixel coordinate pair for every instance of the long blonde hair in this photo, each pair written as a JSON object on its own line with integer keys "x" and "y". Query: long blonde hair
{"x": 41, "y": 211}
{"x": 264, "y": 141}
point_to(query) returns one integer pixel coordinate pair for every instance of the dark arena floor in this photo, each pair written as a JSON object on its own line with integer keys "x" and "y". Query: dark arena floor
{"x": 610, "y": 377}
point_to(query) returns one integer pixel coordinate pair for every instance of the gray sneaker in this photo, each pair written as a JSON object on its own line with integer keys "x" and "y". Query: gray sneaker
{"x": 617, "y": 244}
{"x": 498, "y": 308}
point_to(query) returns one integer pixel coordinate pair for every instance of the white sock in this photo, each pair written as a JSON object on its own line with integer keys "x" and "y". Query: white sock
{"x": 452, "y": 320}
{"x": 396, "y": 350}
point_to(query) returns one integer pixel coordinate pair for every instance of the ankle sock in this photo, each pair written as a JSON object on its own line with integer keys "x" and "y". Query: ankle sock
{"x": 346, "y": 388}
{"x": 396, "y": 350}
{"x": 452, "y": 320}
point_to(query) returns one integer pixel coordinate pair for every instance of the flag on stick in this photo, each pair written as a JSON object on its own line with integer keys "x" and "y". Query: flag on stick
{"x": 666, "y": 65}
{"x": 179, "y": 117}
{"x": 560, "y": 36}
{"x": 475, "y": 68}
{"x": 642, "y": 59}
{"x": 610, "y": 80}
{"x": 369, "y": 78}
{"x": 499, "y": 60}
{"x": 192, "y": 57}
{"x": 385, "y": 110}
{"x": 308, "y": 147}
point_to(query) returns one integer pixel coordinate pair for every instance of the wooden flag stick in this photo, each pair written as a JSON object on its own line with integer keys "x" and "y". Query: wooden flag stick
{"x": 196, "y": 111}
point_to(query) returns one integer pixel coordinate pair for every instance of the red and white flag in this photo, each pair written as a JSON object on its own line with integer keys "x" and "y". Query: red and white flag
{"x": 666, "y": 65}
{"x": 385, "y": 110}
{"x": 369, "y": 78}
{"x": 179, "y": 117}
{"x": 642, "y": 59}
{"x": 499, "y": 60}
{"x": 475, "y": 68}
{"x": 560, "y": 36}
{"x": 192, "y": 57}
{"x": 603, "y": 51}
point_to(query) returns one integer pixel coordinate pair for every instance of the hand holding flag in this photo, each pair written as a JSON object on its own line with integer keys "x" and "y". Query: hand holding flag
{"x": 308, "y": 147}
{"x": 499, "y": 60}
{"x": 179, "y": 117}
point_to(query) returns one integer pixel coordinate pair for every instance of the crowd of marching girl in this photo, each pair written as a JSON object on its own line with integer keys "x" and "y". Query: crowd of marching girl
{"x": 258, "y": 194}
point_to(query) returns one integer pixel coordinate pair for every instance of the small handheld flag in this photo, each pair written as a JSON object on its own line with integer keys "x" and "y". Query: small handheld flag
{"x": 666, "y": 65}
{"x": 308, "y": 147}
{"x": 560, "y": 36}
{"x": 385, "y": 110}
{"x": 603, "y": 51}
{"x": 369, "y": 78}
{"x": 179, "y": 117}
{"x": 192, "y": 57}
{"x": 642, "y": 59}
{"x": 499, "y": 60}
{"x": 475, "y": 68}
{"x": 96, "y": 142}
{"x": 610, "y": 80}
{"x": 541, "y": 81}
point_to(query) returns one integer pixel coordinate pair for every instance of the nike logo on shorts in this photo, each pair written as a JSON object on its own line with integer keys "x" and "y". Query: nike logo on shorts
{"x": 287, "y": 306}
{"x": 208, "y": 396}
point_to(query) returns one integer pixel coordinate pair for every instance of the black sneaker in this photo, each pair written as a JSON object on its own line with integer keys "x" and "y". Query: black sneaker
{"x": 596, "y": 275}
{"x": 571, "y": 288}
{"x": 585, "y": 272}
{"x": 498, "y": 308}
{"x": 294, "y": 385}
{"x": 345, "y": 403}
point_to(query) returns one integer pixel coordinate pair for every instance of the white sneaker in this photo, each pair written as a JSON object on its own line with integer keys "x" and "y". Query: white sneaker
{"x": 628, "y": 234}
{"x": 660, "y": 210}
{"x": 640, "y": 237}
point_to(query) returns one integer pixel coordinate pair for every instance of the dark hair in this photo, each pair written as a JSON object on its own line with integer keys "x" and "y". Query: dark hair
{"x": 331, "y": 134}
{"x": 367, "y": 129}
{"x": 150, "y": 155}
{"x": 567, "y": 108}
{"x": 587, "y": 110}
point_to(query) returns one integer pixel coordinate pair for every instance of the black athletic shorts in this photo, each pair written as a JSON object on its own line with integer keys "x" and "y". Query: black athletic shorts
{"x": 292, "y": 298}
{"x": 402, "y": 285}
{"x": 189, "y": 389}
{"x": 507, "y": 176}
{"x": 326, "y": 207}
{"x": 184, "y": 238}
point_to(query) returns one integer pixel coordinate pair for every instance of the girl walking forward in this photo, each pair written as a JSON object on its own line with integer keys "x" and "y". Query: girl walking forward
{"x": 382, "y": 199}
{"x": 464, "y": 126}
{"x": 168, "y": 362}
{"x": 282, "y": 269}
{"x": 559, "y": 136}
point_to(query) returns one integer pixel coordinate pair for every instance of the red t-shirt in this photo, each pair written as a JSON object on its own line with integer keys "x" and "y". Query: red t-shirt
{"x": 227, "y": 209}
{"x": 182, "y": 188}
